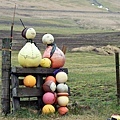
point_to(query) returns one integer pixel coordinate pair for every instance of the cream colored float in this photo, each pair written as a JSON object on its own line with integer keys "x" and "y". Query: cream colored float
{"x": 63, "y": 100}
{"x": 62, "y": 88}
{"x": 47, "y": 39}
{"x": 29, "y": 55}
{"x": 29, "y": 33}
{"x": 61, "y": 77}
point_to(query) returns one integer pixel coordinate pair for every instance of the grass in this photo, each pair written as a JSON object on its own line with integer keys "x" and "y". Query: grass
{"x": 54, "y": 26}
{"x": 110, "y": 4}
{"x": 93, "y": 88}
{"x": 59, "y": 26}
{"x": 64, "y": 22}
{"x": 91, "y": 77}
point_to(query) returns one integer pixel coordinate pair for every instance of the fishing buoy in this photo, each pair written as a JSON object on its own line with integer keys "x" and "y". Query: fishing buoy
{"x": 29, "y": 81}
{"x": 62, "y": 100}
{"x": 45, "y": 62}
{"x": 48, "y": 109}
{"x": 50, "y": 78}
{"x": 29, "y": 33}
{"x": 62, "y": 110}
{"x": 61, "y": 77}
{"x": 62, "y": 88}
{"x": 49, "y": 98}
{"x": 56, "y": 56}
{"x": 29, "y": 55}
{"x": 47, "y": 39}
{"x": 49, "y": 86}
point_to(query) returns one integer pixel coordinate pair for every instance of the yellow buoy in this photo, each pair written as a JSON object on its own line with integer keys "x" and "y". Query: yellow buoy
{"x": 48, "y": 109}
{"x": 45, "y": 62}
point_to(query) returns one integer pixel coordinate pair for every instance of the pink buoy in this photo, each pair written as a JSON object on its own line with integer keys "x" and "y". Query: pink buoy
{"x": 49, "y": 98}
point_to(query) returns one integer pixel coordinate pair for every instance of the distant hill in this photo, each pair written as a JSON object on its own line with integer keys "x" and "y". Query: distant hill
{"x": 57, "y": 16}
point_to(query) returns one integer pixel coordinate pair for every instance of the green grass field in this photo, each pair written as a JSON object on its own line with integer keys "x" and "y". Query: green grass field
{"x": 92, "y": 82}
{"x": 92, "y": 77}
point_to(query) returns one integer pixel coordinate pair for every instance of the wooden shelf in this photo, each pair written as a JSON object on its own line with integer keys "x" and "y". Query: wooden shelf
{"x": 27, "y": 92}
{"x": 39, "y": 70}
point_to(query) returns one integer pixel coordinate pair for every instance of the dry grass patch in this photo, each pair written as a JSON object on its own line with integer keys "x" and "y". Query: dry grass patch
{"x": 104, "y": 50}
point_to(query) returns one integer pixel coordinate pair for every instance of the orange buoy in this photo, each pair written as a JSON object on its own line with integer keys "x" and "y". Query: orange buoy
{"x": 57, "y": 56}
{"x": 50, "y": 78}
{"x": 29, "y": 81}
{"x": 62, "y": 110}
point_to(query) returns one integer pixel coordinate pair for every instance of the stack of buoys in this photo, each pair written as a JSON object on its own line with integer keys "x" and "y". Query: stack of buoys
{"x": 56, "y": 93}
{"x": 55, "y": 87}
{"x": 49, "y": 96}
{"x": 29, "y": 55}
{"x": 52, "y": 52}
{"x": 62, "y": 92}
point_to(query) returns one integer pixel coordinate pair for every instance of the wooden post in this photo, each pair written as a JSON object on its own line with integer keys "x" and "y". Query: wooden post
{"x": 39, "y": 85}
{"x": 15, "y": 85}
{"x": 6, "y": 69}
{"x": 117, "y": 77}
{"x": 64, "y": 49}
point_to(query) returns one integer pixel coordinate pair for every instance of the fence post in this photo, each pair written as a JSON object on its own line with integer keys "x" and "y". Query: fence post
{"x": 6, "y": 70}
{"x": 117, "y": 76}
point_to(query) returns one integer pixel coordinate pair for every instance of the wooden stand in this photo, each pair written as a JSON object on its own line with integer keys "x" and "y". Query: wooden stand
{"x": 20, "y": 91}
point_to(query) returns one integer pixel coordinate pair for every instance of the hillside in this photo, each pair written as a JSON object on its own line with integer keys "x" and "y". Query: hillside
{"x": 59, "y": 16}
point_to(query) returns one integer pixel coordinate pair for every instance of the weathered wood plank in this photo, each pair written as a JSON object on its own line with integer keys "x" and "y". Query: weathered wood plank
{"x": 27, "y": 103}
{"x": 39, "y": 70}
{"x": 14, "y": 81}
{"x": 27, "y": 92}
{"x": 16, "y": 103}
{"x": 39, "y": 79}
{"x": 14, "y": 85}
{"x": 6, "y": 70}
{"x": 39, "y": 85}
